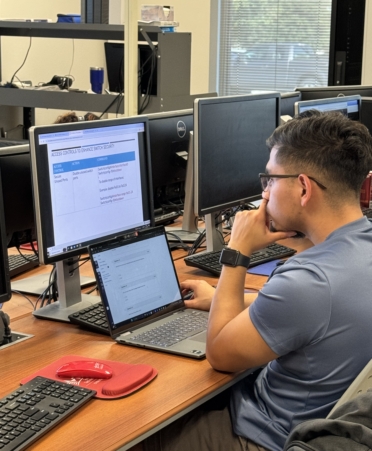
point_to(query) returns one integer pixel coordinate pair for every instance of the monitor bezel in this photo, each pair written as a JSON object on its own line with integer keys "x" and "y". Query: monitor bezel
{"x": 325, "y": 101}
{"x": 163, "y": 116}
{"x": 42, "y": 183}
{"x": 4, "y": 264}
{"x": 10, "y": 152}
{"x": 208, "y": 101}
{"x": 324, "y": 92}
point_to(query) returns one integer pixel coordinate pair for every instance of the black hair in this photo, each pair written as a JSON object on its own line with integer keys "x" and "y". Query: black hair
{"x": 328, "y": 146}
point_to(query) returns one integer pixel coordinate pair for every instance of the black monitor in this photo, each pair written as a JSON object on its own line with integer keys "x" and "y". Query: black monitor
{"x": 367, "y": 112}
{"x": 91, "y": 181}
{"x": 15, "y": 166}
{"x": 169, "y": 142}
{"x": 287, "y": 102}
{"x": 114, "y": 54}
{"x": 350, "y": 106}
{"x": 230, "y": 151}
{"x": 327, "y": 92}
{"x": 5, "y": 291}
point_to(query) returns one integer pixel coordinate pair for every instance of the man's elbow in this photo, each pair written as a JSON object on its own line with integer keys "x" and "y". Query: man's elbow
{"x": 222, "y": 361}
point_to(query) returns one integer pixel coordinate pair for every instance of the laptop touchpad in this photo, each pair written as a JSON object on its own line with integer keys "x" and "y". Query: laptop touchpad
{"x": 199, "y": 337}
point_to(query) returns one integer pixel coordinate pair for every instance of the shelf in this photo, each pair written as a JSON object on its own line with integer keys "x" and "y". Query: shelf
{"x": 70, "y": 30}
{"x": 59, "y": 100}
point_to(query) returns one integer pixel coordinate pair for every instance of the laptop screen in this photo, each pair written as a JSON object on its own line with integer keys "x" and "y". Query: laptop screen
{"x": 136, "y": 277}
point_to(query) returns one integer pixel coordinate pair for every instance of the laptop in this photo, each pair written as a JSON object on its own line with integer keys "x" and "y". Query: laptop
{"x": 141, "y": 295}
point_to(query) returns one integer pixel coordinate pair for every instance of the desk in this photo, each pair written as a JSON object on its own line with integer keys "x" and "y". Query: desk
{"x": 181, "y": 385}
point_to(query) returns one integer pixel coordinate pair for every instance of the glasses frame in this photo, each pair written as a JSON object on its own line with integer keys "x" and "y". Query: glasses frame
{"x": 264, "y": 175}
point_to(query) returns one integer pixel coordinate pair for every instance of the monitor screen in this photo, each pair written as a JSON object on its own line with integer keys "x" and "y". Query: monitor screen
{"x": 350, "y": 106}
{"x": 230, "y": 148}
{"x": 169, "y": 141}
{"x": 91, "y": 181}
{"x": 15, "y": 166}
{"x": 327, "y": 92}
{"x": 114, "y": 53}
{"x": 5, "y": 291}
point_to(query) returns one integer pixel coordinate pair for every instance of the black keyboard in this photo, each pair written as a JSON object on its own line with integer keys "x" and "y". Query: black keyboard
{"x": 93, "y": 318}
{"x": 19, "y": 264}
{"x": 367, "y": 212}
{"x": 210, "y": 261}
{"x": 36, "y": 407}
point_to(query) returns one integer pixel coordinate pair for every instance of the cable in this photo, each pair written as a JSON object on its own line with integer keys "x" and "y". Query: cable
{"x": 73, "y": 58}
{"x": 28, "y": 50}
{"x": 26, "y": 297}
{"x": 112, "y": 103}
{"x": 147, "y": 95}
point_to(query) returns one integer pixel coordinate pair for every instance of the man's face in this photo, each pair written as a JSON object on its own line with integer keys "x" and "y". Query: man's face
{"x": 281, "y": 209}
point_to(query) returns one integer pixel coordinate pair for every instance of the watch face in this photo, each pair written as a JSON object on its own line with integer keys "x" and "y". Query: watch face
{"x": 229, "y": 257}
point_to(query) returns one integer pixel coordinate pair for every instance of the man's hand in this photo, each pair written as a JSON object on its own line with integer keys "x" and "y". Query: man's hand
{"x": 251, "y": 231}
{"x": 203, "y": 294}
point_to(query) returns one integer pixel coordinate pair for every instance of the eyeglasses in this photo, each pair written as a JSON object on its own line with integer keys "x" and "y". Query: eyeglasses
{"x": 266, "y": 179}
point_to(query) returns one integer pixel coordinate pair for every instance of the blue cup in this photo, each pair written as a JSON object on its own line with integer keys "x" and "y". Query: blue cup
{"x": 96, "y": 79}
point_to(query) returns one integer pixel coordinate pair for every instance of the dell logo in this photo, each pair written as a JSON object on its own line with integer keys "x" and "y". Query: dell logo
{"x": 181, "y": 129}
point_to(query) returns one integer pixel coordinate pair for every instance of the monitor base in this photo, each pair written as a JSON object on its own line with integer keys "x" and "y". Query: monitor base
{"x": 184, "y": 235}
{"x": 57, "y": 313}
{"x": 36, "y": 285}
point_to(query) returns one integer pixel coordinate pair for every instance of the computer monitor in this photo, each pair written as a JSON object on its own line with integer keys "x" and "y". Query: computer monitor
{"x": 350, "y": 106}
{"x": 15, "y": 166}
{"x": 5, "y": 291}
{"x": 287, "y": 102}
{"x": 91, "y": 181}
{"x": 229, "y": 152}
{"x": 169, "y": 141}
{"x": 327, "y": 92}
{"x": 114, "y": 54}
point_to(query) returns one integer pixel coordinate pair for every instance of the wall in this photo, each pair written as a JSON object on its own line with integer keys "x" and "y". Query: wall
{"x": 50, "y": 57}
{"x": 367, "y": 47}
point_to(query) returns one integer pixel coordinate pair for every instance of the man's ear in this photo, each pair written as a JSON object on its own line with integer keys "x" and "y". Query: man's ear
{"x": 305, "y": 185}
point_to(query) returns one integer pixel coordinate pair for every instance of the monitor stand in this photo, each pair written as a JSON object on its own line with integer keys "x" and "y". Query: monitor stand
{"x": 70, "y": 298}
{"x": 214, "y": 235}
{"x": 189, "y": 232}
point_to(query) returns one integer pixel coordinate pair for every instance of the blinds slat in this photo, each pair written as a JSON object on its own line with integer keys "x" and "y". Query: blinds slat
{"x": 273, "y": 44}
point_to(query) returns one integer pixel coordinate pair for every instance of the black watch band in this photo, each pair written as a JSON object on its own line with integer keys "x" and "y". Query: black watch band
{"x": 232, "y": 257}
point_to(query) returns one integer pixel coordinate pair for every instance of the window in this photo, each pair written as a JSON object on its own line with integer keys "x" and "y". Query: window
{"x": 273, "y": 45}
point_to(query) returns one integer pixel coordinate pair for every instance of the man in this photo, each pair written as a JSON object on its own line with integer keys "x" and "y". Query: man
{"x": 310, "y": 324}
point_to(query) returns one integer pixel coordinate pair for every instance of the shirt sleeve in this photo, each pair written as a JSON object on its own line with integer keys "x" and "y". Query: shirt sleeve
{"x": 293, "y": 308}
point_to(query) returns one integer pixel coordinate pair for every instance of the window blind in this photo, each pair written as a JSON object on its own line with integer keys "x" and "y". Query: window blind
{"x": 273, "y": 45}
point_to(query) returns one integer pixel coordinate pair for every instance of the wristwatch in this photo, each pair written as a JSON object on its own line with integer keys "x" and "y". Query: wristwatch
{"x": 232, "y": 257}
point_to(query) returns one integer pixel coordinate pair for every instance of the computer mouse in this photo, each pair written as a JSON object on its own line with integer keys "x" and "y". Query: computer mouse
{"x": 85, "y": 368}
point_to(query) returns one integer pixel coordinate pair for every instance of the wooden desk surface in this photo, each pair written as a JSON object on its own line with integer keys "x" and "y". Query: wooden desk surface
{"x": 104, "y": 425}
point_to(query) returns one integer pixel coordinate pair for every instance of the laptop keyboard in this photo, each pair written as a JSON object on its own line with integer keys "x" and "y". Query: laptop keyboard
{"x": 93, "y": 318}
{"x": 173, "y": 331}
{"x": 36, "y": 407}
{"x": 210, "y": 261}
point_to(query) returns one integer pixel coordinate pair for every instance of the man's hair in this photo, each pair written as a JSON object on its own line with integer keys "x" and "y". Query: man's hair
{"x": 328, "y": 146}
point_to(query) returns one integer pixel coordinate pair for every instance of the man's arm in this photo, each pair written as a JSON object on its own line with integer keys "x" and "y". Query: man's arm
{"x": 233, "y": 343}
{"x": 203, "y": 294}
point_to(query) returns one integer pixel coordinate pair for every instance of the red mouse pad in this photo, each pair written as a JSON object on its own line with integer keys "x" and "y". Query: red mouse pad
{"x": 125, "y": 379}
